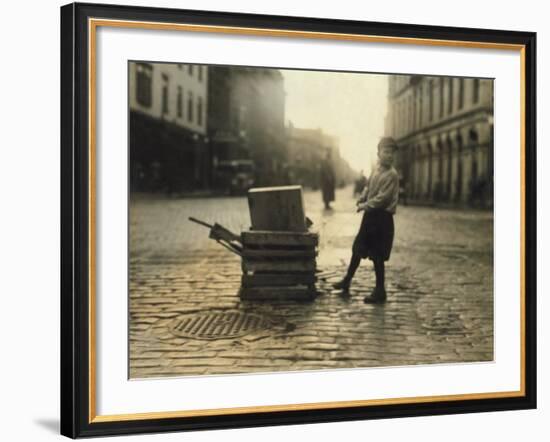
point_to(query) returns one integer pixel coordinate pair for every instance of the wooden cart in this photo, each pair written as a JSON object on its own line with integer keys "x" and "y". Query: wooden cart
{"x": 278, "y": 252}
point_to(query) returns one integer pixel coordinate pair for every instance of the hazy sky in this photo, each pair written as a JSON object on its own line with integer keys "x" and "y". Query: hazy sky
{"x": 351, "y": 107}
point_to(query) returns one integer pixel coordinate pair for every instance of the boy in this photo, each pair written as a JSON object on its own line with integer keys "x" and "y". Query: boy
{"x": 375, "y": 237}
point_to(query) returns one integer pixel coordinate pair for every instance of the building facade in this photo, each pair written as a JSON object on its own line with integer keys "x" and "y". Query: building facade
{"x": 169, "y": 148}
{"x": 306, "y": 150}
{"x": 444, "y": 129}
{"x": 246, "y": 119}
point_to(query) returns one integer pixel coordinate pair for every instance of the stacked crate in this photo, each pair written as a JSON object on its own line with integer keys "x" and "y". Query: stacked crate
{"x": 278, "y": 252}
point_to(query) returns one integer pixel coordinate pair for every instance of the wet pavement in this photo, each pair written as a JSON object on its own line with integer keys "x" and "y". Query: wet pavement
{"x": 184, "y": 293}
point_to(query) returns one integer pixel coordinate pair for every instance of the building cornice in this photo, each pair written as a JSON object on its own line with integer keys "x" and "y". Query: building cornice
{"x": 479, "y": 113}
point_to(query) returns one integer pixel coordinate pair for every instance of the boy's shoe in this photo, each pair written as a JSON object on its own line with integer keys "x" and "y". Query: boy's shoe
{"x": 342, "y": 285}
{"x": 377, "y": 296}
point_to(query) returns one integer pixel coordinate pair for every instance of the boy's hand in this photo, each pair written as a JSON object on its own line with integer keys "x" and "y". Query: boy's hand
{"x": 361, "y": 207}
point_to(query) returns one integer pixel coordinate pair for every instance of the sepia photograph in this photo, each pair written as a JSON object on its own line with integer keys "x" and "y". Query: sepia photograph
{"x": 290, "y": 220}
{"x": 272, "y": 220}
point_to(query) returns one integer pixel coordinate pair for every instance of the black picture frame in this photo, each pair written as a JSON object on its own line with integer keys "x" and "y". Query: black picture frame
{"x": 77, "y": 417}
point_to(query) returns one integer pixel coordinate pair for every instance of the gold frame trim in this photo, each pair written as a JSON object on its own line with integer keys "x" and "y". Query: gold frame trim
{"x": 93, "y": 24}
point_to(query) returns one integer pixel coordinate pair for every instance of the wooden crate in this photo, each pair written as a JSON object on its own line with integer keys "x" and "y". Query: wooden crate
{"x": 270, "y": 239}
{"x": 278, "y": 265}
{"x": 263, "y": 253}
{"x": 278, "y": 293}
{"x": 277, "y": 208}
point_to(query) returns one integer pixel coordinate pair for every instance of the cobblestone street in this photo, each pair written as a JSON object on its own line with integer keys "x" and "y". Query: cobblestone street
{"x": 439, "y": 282}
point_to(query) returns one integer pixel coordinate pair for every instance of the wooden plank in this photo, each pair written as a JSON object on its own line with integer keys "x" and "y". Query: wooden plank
{"x": 296, "y": 293}
{"x": 279, "y": 253}
{"x": 267, "y": 238}
{"x": 277, "y": 279}
{"x": 249, "y": 265}
{"x": 277, "y": 208}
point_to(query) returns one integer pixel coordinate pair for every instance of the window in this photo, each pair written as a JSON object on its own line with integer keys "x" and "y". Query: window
{"x": 199, "y": 111}
{"x": 431, "y": 100}
{"x": 441, "y": 96}
{"x": 190, "y": 107}
{"x": 144, "y": 84}
{"x": 451, "y": 96}
{"x": 411, "y": 115}
{"x": 420, "y": 109}
{"x": 460, "y": 93}
{"x": 180, "y": 102}
{"x": 190, "y": 69}
{"x": 165, "y": 109}
{"x": 475, "y": 93}
{"x": 415, "y": 107}
{"x": 200, "y": 68}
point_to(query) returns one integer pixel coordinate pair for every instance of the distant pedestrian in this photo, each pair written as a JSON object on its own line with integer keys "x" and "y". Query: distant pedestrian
{"x": 375, "y": 237}
{"x": 328, "y": 180}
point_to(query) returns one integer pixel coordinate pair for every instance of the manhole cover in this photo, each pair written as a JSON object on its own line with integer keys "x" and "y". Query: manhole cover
{"x": 218, "y": 325}
{"x": 444, "y": 324}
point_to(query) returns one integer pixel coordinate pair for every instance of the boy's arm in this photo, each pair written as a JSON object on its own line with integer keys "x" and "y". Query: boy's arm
{"x": 363, "y": 196}
{"x": 365, "y": 192}
{"x": 385, "y": 195}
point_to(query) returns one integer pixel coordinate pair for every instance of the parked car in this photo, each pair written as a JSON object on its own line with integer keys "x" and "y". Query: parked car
{"x": 235, "y": 176}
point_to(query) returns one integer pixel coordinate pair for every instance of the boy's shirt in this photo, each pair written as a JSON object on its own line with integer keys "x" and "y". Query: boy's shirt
{"x": 382, "y": 190}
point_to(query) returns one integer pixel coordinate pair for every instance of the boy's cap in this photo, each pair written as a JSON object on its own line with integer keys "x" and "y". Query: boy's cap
{"x": 387, "y": 142}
